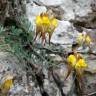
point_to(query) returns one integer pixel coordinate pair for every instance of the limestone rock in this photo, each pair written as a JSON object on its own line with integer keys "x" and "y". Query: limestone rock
{"x": 33, "y": 11}
{"x": 50, "y": 3}
{"x": 62, "y": 33}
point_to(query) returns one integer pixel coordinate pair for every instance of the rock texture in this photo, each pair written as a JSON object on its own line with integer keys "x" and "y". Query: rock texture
{"x": 72, "y": 15}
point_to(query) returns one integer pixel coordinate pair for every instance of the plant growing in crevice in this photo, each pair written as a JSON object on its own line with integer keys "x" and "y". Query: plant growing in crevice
{"x": 84, "y": 39}
{"x": 45, "y": 24}
{"x": 19, "y": 40}
{"x": 76, "y": 63}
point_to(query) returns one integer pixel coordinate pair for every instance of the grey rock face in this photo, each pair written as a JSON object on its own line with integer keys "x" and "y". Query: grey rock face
{"x": 71, "y": 14}
{"x": 71, "y": 8}
{"x": 33, "y": 11}
{"x": 62, "y": 33}
{"x": 51, "y": 2}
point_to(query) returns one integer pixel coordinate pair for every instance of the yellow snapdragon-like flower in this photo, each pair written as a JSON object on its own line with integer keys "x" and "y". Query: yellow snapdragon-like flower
{"x": 81, "y": 64}
{"x": 54, "y": 22}
{"x": 85, "y": 38}
{"x": 38, "y": 20}
{"x": 76, "y": 63}
{"x": 53, "y": 25}
{"x": 46, "y": 21}
{"x": 80, "y": 37}
{"x": 72, "y": 60}
{"x": 88, "y": 39}
{"x": 45, "y": 24}
{"x": 7, "y": 84}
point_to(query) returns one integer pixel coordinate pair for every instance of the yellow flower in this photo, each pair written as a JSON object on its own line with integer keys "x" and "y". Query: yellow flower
{"x": 45, "y": 24}
{"x": 80, "y": 38}
{"x": 88, "y": 39}
{"x": 38, "y": 20}
{"x": 85, "y": 38}
{"x": 6, "y": 84}
{"x": 72, "y": 60}
{"x": 45, "y": 21}
{"x": 81, "y": 64}
{"x": 54, "y": 22}
{"x": 76, "y": 63}
{"x": 53, "y": 25}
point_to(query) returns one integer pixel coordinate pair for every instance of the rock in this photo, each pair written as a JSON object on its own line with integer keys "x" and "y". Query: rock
{"x": 10, "y": 66}
{"x": 93, "y": 5}
{"x": 71, "y": 9}
{"x": 50, "y": 3}
{"x": 61, "y": 71}
{"x": 79, "y": 8}
{"x": 8, "y": 62}
{"x": 62, "y": 33}
{"x": 58, "y": 12}
{"x": 91, "y": 61}
{"x": 88, "y": 21}
{"x": 15, "y": 90}
{"x": 57, "y": 58}
{"x": 89, "y": 76}
{"x": 33, "y": 11}
{"x": 89, "y": 84}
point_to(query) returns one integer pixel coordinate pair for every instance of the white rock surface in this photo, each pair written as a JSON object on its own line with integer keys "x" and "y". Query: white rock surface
{"x": 33, "y": 11}
{"x": 8, "y": 61}
{"x": 78, "y": 8}
{"x": 51, "y": 2}
{"x": 61, "y": 35}
{"x": 72, "y": 8}
{"x": 9, "y": 67}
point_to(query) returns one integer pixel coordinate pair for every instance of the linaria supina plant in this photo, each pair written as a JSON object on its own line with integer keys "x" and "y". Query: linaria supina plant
{"x": 78, "y": 64}
{"x": 45, "y": 24}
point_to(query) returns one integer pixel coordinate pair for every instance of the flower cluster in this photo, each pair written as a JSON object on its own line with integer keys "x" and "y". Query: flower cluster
{"x": 84, "y": 38}
{"x": 76, "y": 63}
{"x": 45, "y": 24}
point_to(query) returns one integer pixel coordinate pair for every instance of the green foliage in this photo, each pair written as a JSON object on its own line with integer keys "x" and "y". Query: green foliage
{"x": 19, "y": 41}
{"x": 2, "y": 29}
{"x": 17, "y": 38}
